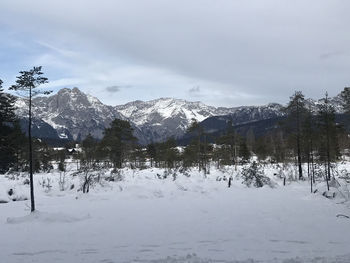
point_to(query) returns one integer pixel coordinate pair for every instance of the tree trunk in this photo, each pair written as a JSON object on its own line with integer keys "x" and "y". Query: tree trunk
{"x": 328, "y": 161}
{"x": 308, "y": 165}
{"x": 312, "y": 179}
{"x": 199, "y": 152}
{"x": 326, "y": 176}
{"x": 298, "y": 144}
{"x": 32, "y": 201}
{"x": 205, "y": 155}
{"x": 312, "y": 161}
{"x": 235, "y": 152}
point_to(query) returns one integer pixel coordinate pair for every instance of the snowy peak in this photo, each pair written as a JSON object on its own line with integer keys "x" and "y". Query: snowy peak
{"x": 74, "y": 114}
{"x": 165, "y": 117}
{"x": 141, "y": 112}
{"x": 74, "y": 99}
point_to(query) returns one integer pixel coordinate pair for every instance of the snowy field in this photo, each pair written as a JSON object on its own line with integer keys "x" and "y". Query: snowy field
{"x": 190, "y": 219}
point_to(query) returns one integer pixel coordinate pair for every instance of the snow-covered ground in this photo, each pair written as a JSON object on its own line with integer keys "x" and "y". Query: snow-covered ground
{"x": 190, "y": 219}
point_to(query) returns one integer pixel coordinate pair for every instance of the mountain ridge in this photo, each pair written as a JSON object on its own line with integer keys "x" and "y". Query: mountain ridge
{"x": 75, "y": 114}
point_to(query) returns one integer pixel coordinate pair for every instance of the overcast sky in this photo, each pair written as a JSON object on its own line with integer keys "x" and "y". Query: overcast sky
{"x": 220, "y": 52}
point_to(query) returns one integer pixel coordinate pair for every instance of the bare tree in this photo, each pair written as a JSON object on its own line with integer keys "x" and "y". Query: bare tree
{"x": 90, "y": 175}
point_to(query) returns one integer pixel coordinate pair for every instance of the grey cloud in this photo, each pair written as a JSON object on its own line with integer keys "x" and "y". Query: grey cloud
{"x": 266, "y": 48}
{"x": 331, "y": 54}
{"x": 113, "y": 89}
{"x": 117, "y": 88}
{"x": 194, "y": 89}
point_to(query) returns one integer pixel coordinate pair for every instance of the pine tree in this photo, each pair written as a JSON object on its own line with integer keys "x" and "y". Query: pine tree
{"x": 170, "y": 153}
{"x": 189, "y": 156}
{"x": 197, "y": 129}
{"x": 89, "y": 146}
{"x": 345, "y": 96}
{"x": 7, "y": 108}
{"x": 117, "y": 142}
{"x": 26, "y": 84}
{"x": 7, "y": 128}
{"x": 280, "y": 152}
{"x": 254, "y": 175}
{"x": 230, "y": 141}
{"x": 18, "y": 140}
{"x": 244, "y": 152}
{"x": 328, "y": 149}
{"x": 262, "y": 148}
{"x": 151, "y": 152}
{"x": 308, "y": 136}
{"x": 250, "y": 139}
{"x": 295, "y": 114}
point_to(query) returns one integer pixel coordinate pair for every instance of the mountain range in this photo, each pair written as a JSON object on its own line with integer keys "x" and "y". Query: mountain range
{"x": 71, "y": 114}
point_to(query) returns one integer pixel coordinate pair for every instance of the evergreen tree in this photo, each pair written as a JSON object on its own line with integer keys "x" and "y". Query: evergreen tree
{"x": 279, "y": 150}
{"x": 89, "y": 146}
{"x": 118, "y": 141}
{"x": 244, "y": 152}
{"x": 45, "y": 158}
{"x": 309, "y": 135}
{"x": 262, "y": 148}
{"x": 295, "y": 111}
{"x": 7, "y": 108}
{"x": 7, "y": 128}
{"x": 170, "y": 153}
{"x": 139, "y": 157}
{"x": 151, "y": 152}
{"x": 254, "y": 175}
{"x": 250, "y": 139}
{"x": 230, "y": 141}
{"x": 328, "y": 148}
{"x": 26, "y": 84}
{"x": 189, "y": 156}
{"x": 345, "y": 96}
{"x": 197, "y": 129}
{"x": 61, "y": 166}
{"x": 167, "y": 154}
{"x": 17, "y": 140}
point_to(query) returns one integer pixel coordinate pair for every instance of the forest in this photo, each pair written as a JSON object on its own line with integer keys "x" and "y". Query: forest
{"x": 312, "y": 141}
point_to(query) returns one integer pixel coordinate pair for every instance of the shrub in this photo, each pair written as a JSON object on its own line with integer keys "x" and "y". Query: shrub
{"x": 253, "y": 175}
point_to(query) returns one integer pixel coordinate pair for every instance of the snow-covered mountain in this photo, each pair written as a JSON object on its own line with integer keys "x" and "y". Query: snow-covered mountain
{"x": 74, "y": 114}
{"x": 161, "y": 118}
{"x": 335, "y": 101}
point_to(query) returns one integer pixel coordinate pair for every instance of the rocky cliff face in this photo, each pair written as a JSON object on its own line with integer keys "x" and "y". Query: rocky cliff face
{"x": 73, "y": 114}
{"x": 165, "y": 117}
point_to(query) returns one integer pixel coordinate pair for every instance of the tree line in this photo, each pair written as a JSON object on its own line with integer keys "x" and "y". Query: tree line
{"x": 303, "y": 137}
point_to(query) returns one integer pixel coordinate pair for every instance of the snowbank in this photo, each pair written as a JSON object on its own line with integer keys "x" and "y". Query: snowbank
{"x": 154, "y": 216}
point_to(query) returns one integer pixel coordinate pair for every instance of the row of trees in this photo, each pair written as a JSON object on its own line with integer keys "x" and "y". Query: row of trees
{"x": 303, "y": 137}
{"x": 119, "y": 148}
{"x": 313, "y": 137}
